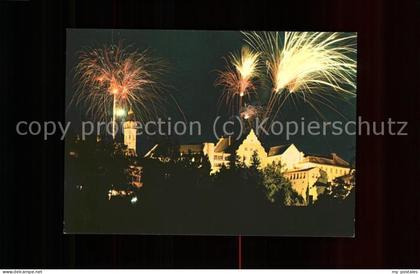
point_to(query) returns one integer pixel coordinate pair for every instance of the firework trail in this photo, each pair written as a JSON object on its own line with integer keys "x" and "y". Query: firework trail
{"x": 112, "y": 78}
{"x": 311, "y": 65}
{"x": 238, "y": 80}
{"x": 250, "y": 112}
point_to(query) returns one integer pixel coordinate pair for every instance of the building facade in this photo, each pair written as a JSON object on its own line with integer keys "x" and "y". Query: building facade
{"x": 308, "y": 173}
{"x": 130, "y": 133}
{"x": 308, "y": 183}
{"x": 288, "y": 155}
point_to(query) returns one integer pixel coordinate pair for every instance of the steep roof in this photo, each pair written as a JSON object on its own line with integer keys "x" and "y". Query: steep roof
{"x": 151, "y": 151}
{"x": 278, "y": 150}
{"x": 299, "y": 170}
{"x": 223, "y": 144}
{"x": 229, "y": 144}
{"x": 130, "y": 116}
{"x": 332, "y": 159}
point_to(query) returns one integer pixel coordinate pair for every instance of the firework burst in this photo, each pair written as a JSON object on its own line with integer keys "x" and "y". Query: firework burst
{"x": 313, "y": 65}
{"x": 113, "y": 77}
{"x": 238, "y": 80}
{"x": 250, "y": 112}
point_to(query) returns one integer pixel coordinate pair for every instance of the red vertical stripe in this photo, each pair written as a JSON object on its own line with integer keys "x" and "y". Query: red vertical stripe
{"x": 239, "y": 252}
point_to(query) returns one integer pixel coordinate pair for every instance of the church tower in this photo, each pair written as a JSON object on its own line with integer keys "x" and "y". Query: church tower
{"x": 130, "y": 132}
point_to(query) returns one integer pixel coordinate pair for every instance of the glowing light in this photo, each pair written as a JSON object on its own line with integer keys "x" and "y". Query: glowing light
{"x": 113, "y": 77}
{"x": 239, "y": 77}
{"x": 306, "y": 61}
{"x": 247, "y": 67}
{"x": 311, "y": 64}
{"x": 120, "y": 112}
{"x": 134, "y": 200}
{"x": 250, "y": 112}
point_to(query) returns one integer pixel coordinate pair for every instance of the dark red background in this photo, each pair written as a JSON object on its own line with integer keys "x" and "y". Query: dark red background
{"x": 32, "y": 61}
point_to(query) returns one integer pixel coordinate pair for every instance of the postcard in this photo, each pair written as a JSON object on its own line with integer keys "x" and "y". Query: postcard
{"x": 182, "y": 132}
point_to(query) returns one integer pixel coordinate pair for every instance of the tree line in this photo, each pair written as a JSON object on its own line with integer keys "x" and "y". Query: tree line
{"x": 178, "y": 194}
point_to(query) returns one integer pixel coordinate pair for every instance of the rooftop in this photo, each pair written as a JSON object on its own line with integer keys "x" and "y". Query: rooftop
{"x": 299, "y": 170}
{"x": 229, "y": 144}
{"x": 278, "y": 150}
{"x": 332, "y": 159}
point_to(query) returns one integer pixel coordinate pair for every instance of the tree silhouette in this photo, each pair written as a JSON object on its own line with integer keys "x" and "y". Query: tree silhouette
{"x": 339, "y": 190}
{"x": 93, "y": 168}
{"x": 234, "y": 161}
{"x": 255, "y": 160}
{"x": 278, "y": 189}
{"x": 178, "y": 194}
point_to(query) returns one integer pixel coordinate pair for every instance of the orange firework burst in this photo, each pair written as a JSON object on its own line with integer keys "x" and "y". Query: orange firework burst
{"x": 113, "y": 77}
{"x": 239, "y": 76}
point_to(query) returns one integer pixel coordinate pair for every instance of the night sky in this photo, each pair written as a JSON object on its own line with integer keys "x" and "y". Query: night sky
{"x": 193, "y": 58}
